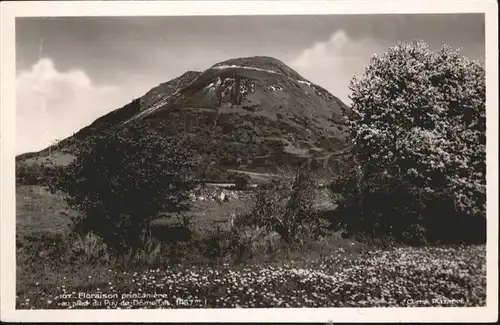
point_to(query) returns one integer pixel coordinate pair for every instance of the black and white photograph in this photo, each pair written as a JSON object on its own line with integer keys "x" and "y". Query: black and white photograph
{"x": 296, "y": 163}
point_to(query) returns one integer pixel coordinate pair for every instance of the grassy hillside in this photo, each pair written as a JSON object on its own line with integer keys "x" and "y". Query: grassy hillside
{"x": 38, "y": 211}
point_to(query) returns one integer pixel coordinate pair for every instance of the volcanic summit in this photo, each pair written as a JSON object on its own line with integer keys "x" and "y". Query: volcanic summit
{"x": 253, "y": 113}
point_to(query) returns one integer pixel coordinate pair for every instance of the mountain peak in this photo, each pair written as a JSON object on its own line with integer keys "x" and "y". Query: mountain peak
{"x": 266, "y": 63}
{"x": 190, "y": 73}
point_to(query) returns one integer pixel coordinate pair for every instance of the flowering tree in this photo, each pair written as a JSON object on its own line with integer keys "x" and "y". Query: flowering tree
{"x": 419, "y": 117}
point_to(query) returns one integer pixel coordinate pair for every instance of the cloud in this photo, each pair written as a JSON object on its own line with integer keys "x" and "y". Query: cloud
{"x": 333, "y": 63}
{"x": 54, "y": 104}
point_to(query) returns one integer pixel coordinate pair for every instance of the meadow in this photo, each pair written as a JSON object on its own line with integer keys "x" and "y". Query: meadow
{"x": 331, "y": 272}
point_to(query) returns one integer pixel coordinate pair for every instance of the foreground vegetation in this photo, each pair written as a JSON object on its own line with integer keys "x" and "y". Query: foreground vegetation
{"x": 346, "y": 277}
{"x": 243, "y": 266}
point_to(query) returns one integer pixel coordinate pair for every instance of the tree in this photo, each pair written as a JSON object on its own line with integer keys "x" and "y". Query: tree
{"x": 286, "y": 206}
{"x": 420, "y": 117}
{"x": 54, "y": 143}
{"x": 120, "y": 181}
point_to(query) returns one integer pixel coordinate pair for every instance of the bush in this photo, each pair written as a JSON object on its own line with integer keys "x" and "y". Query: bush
{"x": 240, "y": 245}
{"x": 241, "y": 181}
{"x": 121, "y": 181}
{"x": 379, "y": 205}
{"x": 419, "y": 138}
{"x": 285, "y": 206}
{"x": 214, "y": 173}
{"x": 89, "y": 248}
{"x": 35, "y": 173}
{"x": 28, "y": 174}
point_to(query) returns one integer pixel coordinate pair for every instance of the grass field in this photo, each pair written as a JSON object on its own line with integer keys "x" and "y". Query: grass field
{"x": 332, "y": 272}
{"x": 57, "y": 157}
{"x": 38, "y": 210}
{"x": 411, "y": 277}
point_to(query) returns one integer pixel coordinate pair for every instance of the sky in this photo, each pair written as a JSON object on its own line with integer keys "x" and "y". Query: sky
{"x": 72, "y": 70}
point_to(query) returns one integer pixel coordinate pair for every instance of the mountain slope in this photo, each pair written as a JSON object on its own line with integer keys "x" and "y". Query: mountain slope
{"x": 246, "y": 113}
{"x": 118, "y": 116}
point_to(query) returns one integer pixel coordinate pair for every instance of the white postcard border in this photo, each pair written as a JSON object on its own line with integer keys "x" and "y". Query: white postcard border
{"x": 11, "y": 10}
